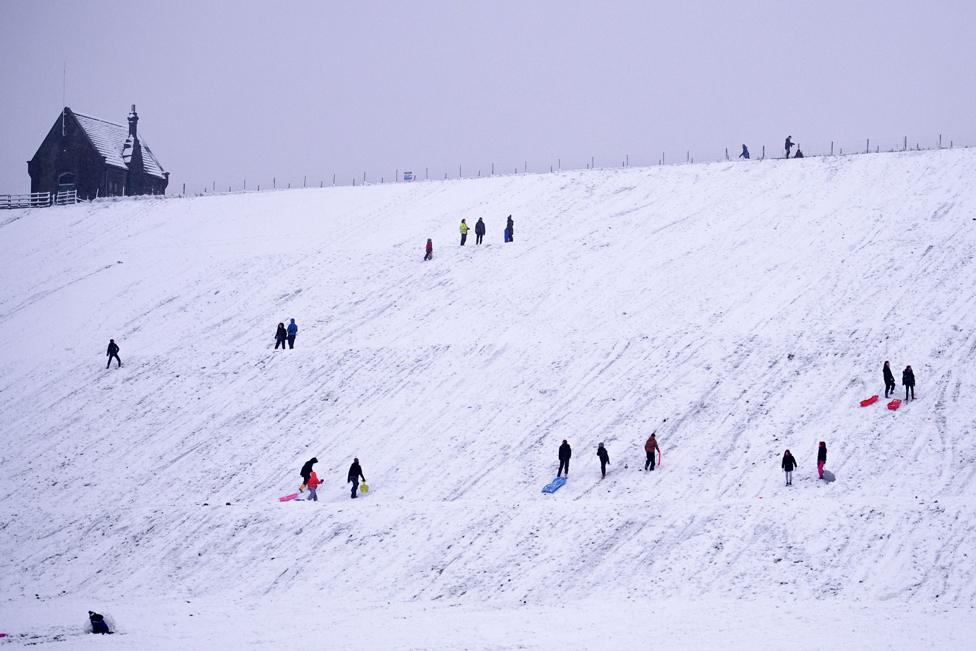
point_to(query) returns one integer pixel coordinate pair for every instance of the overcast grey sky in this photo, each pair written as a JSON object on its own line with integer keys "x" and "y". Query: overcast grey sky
{"x": 228, "y": 90}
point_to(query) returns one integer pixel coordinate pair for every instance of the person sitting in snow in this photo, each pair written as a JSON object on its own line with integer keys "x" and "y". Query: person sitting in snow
{"x": 98, "y": 623}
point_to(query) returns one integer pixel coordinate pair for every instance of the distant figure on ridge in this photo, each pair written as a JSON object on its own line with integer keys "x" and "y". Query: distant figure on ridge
{"x": 889, "y": 379}
{"x": 280, "y": 335}
{"x": 649, "y": 447}
{"x": 464, "y": 232}
{"x": 430, "y": 250}
{"x": 789, "y": 465}
{"x": 306, "y": 473}
{"x": 355, "y": 473}
{"x": 479, "y": 231}
{"x": 565, "y": 453}
{"x": 745, "y": 152}
{"x": 292, "y": 333}
{"x": 821, "y": 458}
{"x": 907, "y": 379}
{"x": 509, "y": 230}
{"x": 799, "y": 152}
{"x": 788, "y": 145}
{"x": 604, "y": 459}
{"x": 113, "y": 353}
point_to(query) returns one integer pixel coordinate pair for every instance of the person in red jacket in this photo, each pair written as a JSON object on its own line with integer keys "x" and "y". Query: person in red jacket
{"x": 649, "y": 448}
{"x": 430, "y": 250}
{"x": 313, "y": 483}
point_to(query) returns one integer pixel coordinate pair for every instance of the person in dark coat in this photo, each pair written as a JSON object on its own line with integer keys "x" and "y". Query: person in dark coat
{"x": 292, "y": 333}
{"x": 907, "y": 379}
{"x": 113, "y": 353}
{"x": 604, "y": 459}
{"x": 651, "y": 448}
{"x": 355, "y": 473}
{"x": 429, "y": 255}
{"x": 788, "y": 145}
{"x": 479, "y": 231}
{"x": 98, "y": 623}
{"x": 306, "y": 472}
{"x": 280, "y": 335}
{"x": 821, "y": 458}
{"x": 745, "y": 152}
{"x": 789, "y": 465}
{"x": 565, "y": 452}
{"x": 889, "y": 379}
{"x": 509, "y": 230}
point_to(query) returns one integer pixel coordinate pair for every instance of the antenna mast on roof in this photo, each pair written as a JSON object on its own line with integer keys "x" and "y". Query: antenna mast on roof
{"x": 64, "y": 93}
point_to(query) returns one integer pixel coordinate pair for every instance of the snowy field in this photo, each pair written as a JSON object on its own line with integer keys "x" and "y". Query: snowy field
{"x": 738, "y": 309}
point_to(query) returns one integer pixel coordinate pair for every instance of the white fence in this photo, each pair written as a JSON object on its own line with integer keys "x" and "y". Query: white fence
{"x": 38, "y": 199}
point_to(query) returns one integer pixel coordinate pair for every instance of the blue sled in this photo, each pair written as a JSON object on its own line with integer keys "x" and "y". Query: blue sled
{"x": 554, "y": 485}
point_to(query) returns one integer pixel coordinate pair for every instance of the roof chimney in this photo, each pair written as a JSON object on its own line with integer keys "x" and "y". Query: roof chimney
{"x": 133, "y": 121}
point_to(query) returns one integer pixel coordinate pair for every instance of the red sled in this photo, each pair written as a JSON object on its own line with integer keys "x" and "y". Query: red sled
{"x": 288, "y": 498}
{"x": 869, "y": 401}
{"x": 894, "y": 404}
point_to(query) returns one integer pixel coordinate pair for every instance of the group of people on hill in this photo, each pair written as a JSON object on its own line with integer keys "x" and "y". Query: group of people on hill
{"x": 311, "y": 481}
{"x": 566, "y": 453}
{"x": 907, "y": 380}
{"x": 788, "y": 145}
{"x": 479, "y": 231}
{"x": 288, "y": 334}
{"x": 789, "y": 463}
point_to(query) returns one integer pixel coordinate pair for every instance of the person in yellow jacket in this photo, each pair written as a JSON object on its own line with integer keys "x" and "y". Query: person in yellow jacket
{"x": 464, "y": 232}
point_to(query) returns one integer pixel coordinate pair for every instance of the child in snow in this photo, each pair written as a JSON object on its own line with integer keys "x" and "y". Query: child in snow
{"x": 649, "y": 447}
{"x": 280, "y": 335}
{"x": 430, "y": 250}
{"x": 464, "y": 232}
{"x": 313, "y": 483}
{"x": 907, "y": 378}
{"x": 821, "y": 458}
{"x": 604, "y": 459}
{"x": 889, "y": 379}
{"x": 789, "y": 463}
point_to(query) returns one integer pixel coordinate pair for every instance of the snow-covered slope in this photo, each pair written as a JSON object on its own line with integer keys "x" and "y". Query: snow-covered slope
{"x": 737, "y": 309}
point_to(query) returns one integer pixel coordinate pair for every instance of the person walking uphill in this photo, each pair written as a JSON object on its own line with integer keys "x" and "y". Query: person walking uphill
{"x": 464, "y": 232}
{"x": 355, "y": 473}
{"x": 113, "y": 353}
{"x": 649, "y": 447}
{"x": 313, "y": 483}
{"x": 509, "y": 230}
{"x": 745, "y": 152}
{"x": 907, "y": 379}
{"x": 821, "y": 458}
{"x": 604, "y": 459}
{"x": 280, "y": 335}
{"x": 889, "y": 379}
{"x": 292, "y": 333}
{"x": 789, "y": 465}
{"x": 306, "y": 473}
{"x": 565, "y": 453}
{"x": 430, "y": 250}
{"x": 479, "y": 231}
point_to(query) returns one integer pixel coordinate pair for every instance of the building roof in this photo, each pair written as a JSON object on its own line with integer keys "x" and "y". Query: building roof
{"x": 110, "y": 142}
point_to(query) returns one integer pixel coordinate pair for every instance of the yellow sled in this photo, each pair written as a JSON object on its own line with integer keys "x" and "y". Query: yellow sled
{"x": 363, "y": 488}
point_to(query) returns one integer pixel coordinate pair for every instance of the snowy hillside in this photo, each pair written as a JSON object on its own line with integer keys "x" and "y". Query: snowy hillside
{"x": 749, "y": 304}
